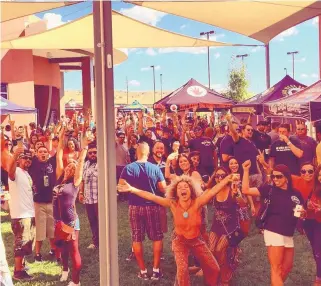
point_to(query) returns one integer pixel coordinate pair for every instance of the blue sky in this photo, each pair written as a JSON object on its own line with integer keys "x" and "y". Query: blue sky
{"x": 179, "y": 65}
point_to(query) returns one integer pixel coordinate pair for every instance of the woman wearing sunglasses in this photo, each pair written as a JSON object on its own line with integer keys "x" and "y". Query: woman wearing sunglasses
{"x": 226, "y": 220}
{"x": 312, "y": 225}
{"x": 281, "y": 219}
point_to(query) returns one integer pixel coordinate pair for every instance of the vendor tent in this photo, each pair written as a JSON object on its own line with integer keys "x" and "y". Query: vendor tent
{"x": 135, "y": 106}
{"x": 284, "y": 88}
{"x": 306, "y": 104}
{"x": 8, "y": 107}
{"x": 193, "y": 94}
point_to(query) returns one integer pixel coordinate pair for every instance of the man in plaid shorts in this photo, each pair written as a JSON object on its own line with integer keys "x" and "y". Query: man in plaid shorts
{"x": 144, "y": 215}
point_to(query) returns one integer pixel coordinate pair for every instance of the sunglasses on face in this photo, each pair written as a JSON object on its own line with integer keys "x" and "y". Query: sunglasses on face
{"x": 220, "y": 176}
{"x": 92, "y": 153}
{"x": 307, "y": 171}
{"x": 277, "y": 177}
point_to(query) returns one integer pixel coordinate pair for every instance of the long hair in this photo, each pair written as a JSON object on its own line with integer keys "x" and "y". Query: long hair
{"x": 317, "y": 184}
{"x": 286, "y": 173}
{"x": 171, "y": 190}
{"x": 211, "y": 183}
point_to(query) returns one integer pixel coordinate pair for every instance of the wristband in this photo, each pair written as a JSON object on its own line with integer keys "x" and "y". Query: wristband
{"x": 289, "y": 143}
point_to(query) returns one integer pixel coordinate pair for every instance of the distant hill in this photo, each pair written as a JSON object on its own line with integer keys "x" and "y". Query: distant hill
{"x": 144, "y": 97}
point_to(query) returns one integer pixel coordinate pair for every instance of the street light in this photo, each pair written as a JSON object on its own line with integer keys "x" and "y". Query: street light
{"x": 153, "y": 67}
{"x": 243, "y": 56}
{"x": 292, "y": 53}
{"x": 286, "y": 71}
{"x": 161, "y": 84}
{"x": 208, "y": 56}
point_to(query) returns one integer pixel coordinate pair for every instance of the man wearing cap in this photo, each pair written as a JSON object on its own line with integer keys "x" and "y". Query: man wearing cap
{"x": 206, "y": 148}
{"x": 261, "y": 140}
{"x": 22, "y": 210}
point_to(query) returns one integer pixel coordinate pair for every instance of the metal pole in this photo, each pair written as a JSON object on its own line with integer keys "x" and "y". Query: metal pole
{"x": 267, "y": 65}
{"x": 161, "y": 84}
{"x": 108, "y": 238}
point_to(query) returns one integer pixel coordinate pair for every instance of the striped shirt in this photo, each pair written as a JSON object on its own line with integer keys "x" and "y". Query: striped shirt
{"x": 90, "y": 178}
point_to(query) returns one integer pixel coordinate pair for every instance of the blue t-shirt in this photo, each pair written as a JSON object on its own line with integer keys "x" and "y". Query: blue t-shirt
{"x": 143, "y": 176}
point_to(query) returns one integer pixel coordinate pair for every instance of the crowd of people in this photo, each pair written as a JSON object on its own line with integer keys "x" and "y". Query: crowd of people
{"x": 182, "y": 161}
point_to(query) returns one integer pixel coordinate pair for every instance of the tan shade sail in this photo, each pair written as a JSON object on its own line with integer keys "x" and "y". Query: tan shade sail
{"x": 127, "y": 33}
{"x": 13, "y": 10}
{"x": 256, "y": 19}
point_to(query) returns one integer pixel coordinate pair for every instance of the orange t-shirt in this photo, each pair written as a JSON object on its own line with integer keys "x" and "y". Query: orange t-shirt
{"x": 304, "y": 187}
{"x": 189, "y": 227}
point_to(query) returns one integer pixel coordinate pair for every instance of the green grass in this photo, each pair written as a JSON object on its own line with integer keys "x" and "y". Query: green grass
{"x": 253, "y": 270}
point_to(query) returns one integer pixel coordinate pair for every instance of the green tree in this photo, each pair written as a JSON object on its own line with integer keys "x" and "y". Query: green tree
{"x": 238, "y": 84}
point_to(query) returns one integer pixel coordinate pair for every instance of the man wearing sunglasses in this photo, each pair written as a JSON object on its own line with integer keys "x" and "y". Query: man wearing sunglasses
{"x": 22, "y": 210}
{"x": 286, "y": 151}
{"x": 89, "y": 193}
{"x": 308, "y": 144}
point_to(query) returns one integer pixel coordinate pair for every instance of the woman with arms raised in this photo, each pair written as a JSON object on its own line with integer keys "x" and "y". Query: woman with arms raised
{"x": 281, "y": 219}
{"x": 182, "y": 199}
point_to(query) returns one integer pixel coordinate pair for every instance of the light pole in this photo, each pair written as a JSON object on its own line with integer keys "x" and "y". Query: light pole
{"x": 161, "y": 84}
{"x": 127, "y": 88}
{"x": 153, "y": 67}
{"x": 242, "y": 57}
{"x": 286, "y": 71}
{"x": 208, "y": 56}
{"x": 292, "y": 53}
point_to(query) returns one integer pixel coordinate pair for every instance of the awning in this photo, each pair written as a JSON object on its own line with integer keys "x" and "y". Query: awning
{"x": 8, "y": 107}
{"x": 127, "y": 33}
{"x": 13, "y": 10}
{"x": 256, "y": 19}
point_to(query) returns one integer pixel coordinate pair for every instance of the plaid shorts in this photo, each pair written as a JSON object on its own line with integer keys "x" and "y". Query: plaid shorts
{"x": 24, "y": 235}
{"x": 145, "y": 219}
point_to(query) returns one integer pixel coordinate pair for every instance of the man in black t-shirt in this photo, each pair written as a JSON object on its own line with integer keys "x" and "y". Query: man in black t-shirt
{"x": 43, "y": 174}
{"x": 286, "y": 151}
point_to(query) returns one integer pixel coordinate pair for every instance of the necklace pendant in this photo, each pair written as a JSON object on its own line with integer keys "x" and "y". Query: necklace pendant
{"x": 185, "y": 214}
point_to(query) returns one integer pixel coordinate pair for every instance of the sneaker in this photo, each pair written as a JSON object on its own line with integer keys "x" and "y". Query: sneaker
{"x": 92, "y": 246}
{"x": 131, "y": 257}
{"x": 22, "y": 276}
{"x": 38, "y": 257}
{"x": 143, "y": 276}
{"x": 156, "y": 276}
{"x": 52, "y": 252}
{"x": 64, "y": 276}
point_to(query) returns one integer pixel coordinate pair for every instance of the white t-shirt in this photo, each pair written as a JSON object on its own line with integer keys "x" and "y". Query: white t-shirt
{"x": 21, "y": 196}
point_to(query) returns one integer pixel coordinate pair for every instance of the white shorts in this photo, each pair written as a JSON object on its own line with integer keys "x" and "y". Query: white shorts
{"x": 274, "y": 239}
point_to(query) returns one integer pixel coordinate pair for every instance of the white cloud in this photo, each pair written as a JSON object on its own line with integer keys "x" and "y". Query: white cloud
{"x": 315, "y": 21}
{"x": 287, "y": 33}
{"x": 149, "y": 68}
{"x": 217, "y": 55}
{"x": 53, "y": 20}
{"x": 148, "y": 16}
{"x": 182, "y": 27}
{"x": 134, "y": 82}
{"x": 151, "y": 52}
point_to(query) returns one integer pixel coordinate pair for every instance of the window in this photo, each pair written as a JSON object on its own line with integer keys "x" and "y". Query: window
{"x": 4, "y": 90}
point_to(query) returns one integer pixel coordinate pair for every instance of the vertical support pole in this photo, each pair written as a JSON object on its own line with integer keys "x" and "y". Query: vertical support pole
{"x": 267, "y": 65}
{"x": 107, "y": 206}
{"x": 86, "y": 84}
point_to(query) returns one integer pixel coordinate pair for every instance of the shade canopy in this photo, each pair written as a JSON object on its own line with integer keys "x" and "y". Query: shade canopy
{"x": 191, "y": 95}
{"x": 260, "y": 20}
{"x": 8, "y": 107}
{"x": 306, "y": 104}
{"x": 135, "y": 106}
{"x": 13, "y": 10}
{"x": 127, "y": 33}
{"x": 285, "y": 87}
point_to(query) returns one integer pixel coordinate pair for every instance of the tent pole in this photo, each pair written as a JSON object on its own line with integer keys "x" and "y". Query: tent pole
{"x": 107, "y": 206}
{"x": 267, "y": 65}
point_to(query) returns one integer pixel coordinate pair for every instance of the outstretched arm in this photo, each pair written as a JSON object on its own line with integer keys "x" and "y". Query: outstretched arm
{"x": 124, "y": 187}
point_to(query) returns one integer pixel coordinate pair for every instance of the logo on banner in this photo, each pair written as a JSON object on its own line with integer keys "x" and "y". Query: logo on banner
{"x": 290, "y": 90}
{"x": 196, "y": 91}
